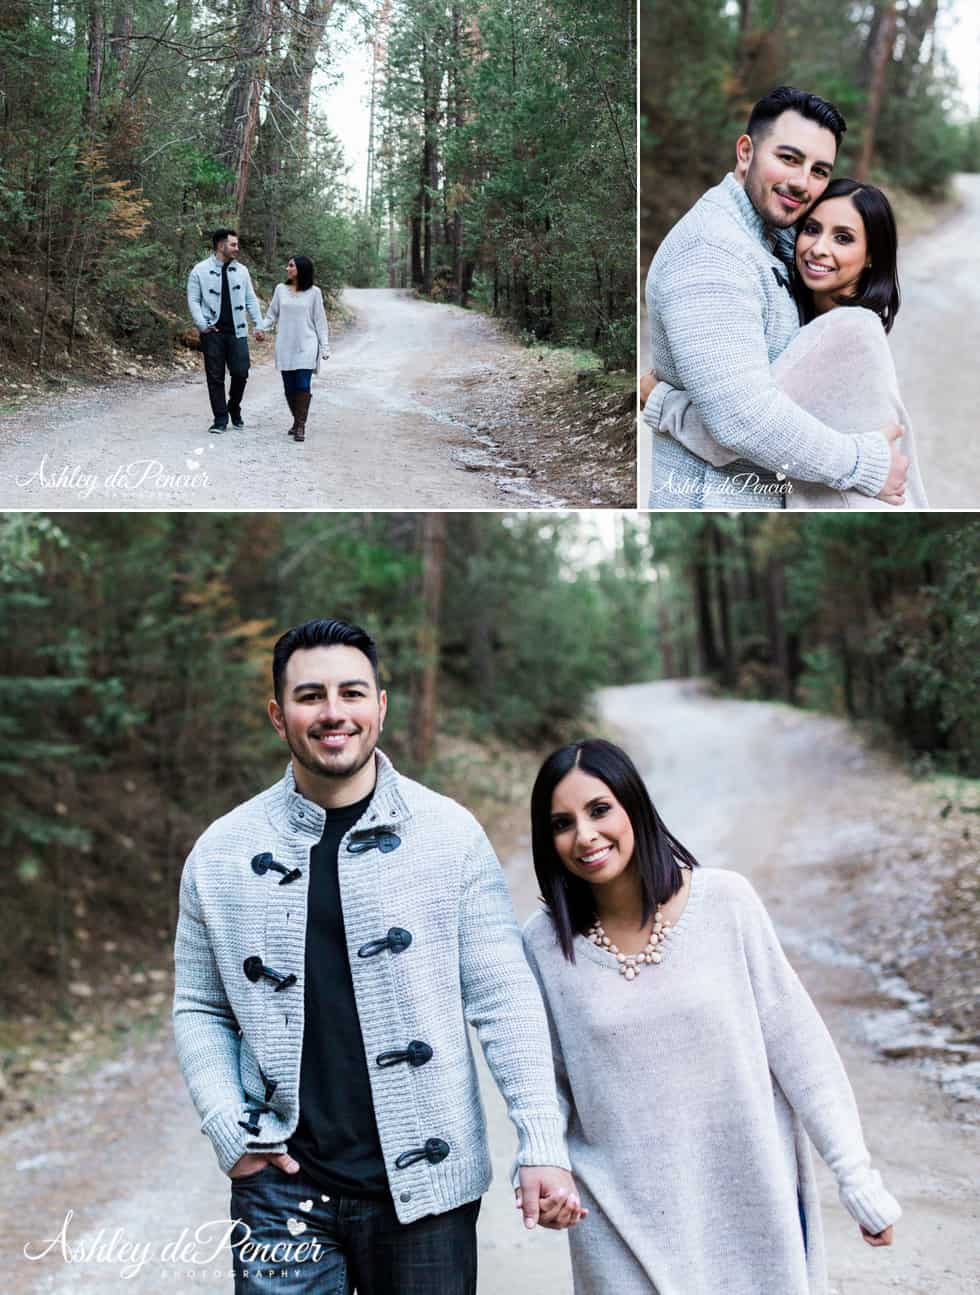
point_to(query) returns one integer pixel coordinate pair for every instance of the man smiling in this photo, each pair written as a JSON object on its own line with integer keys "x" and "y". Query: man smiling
{"x": 721, "y": 310}
{"x": 336, "y": 933}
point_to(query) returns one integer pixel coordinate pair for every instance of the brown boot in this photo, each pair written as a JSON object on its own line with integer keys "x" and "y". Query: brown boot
{"x": 291, "y": 402}
{"x": 301, "y": 406}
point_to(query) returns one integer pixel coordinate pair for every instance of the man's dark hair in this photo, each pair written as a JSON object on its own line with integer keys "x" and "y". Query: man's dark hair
{"x": 320, "y": 633}
{"x": 786, "y": 98}
{"x": 304, "y": 272}
{"x": 220, "y": 235}
{"x": 657, "y": 852}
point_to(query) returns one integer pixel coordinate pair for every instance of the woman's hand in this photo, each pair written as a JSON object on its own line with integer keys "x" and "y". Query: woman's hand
{"x": 893, "y": 491}
{"x": 879, "y": 1239}
{"x": 647, "y": 383}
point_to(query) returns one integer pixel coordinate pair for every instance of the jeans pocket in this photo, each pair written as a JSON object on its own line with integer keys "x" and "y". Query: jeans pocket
{"x": 244, "y": 1179}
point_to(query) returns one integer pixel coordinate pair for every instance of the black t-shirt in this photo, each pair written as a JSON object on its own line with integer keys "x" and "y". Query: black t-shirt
{"x": 225, "y": 321}
{"x": 336, "y": 1141}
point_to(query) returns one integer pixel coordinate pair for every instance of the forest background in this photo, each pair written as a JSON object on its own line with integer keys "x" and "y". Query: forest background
{"x": 501, "y": 165}
{"x": 135, "y": 667}
{"x": 705, "y": 62}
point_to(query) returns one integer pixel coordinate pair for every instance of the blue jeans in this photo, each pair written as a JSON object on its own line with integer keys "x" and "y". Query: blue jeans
{"x": 296, "y": 380}
{"x": 350, "y": 1245}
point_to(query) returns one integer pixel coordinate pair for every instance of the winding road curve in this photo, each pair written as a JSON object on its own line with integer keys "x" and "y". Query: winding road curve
{"x": 378, "y": 435}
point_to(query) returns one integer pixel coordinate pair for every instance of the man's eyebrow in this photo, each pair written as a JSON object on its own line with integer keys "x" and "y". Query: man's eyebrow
{"x": 798, "y": 152}
{"x": 318, "y": 685}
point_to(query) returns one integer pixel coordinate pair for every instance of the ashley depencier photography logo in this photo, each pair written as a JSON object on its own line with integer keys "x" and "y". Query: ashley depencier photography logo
{"x": 741, "y": 484}
{"x": 140, "y": 474}
{"x": 209, "y": 1243}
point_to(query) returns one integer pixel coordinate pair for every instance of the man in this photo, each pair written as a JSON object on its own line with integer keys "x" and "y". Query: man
{"x": 219, "y": 292}
{"x": 336, "y": 933}
{"x": 721, "y": 310}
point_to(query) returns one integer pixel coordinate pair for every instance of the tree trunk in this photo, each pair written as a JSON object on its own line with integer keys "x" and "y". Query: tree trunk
{"x": 709, "y": 658}
{"x": 242, "y": 107}
{"x": 96, "y": 56}
{"x": 724, "y": 609}
{"x": 880, "y": 54}
{"x": 775, "y": 617}
{"x": 433, "y": 548}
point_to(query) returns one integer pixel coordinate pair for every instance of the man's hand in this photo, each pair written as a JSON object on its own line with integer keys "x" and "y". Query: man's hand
{"x": 893, "y": 491}
{"x": 647, "y": 383}
{"x": 547, "y": 1195}
{"x": 879, "y": 1239}
{"x": 251, "y": 1164}
{"x": 212, "y": 329}
{"x": 259, "y": 335}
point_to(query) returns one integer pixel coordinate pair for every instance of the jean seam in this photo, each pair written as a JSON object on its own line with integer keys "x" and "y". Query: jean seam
{"x": 341, "y": 1287}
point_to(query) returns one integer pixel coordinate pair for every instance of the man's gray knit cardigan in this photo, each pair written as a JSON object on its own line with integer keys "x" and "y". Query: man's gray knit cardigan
{"x": 432, "y": 943}
{"x": 720, "y": 312}
{"x": 204, "y": 295}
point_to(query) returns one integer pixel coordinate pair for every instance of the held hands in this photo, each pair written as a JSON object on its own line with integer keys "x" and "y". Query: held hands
{"x": 879, "y": 1239}
{"x": 250, "y": 1164}
{"x": 547, "y": 1196}
{"x": 893, "y": 491}
{"x": 259, "y": 335}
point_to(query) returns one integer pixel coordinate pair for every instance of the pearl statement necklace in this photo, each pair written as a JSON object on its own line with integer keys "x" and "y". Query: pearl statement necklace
{"x": 630, "y": 963}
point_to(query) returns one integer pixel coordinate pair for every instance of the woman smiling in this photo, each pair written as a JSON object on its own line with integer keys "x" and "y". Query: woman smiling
{"x": 839, "y": 367}
{"x": 692, "y": 1065}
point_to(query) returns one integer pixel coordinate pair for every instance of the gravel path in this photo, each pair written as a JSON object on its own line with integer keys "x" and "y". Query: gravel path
{"x": 388, "y": 428}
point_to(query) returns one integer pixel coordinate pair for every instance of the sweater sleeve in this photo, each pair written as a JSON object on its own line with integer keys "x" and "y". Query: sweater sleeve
{"x": 194, "y": 301}
{"x": 711, "y": 311}
{"x": 320, "y": 323}
{"x": 502, "y": 1003}
{"x": 205, "y": 1030}
{"x": 252, "y": 302}
{"x": 562, "y": 1085}
{"x": 272, "y": 314}
{"x": 808, "y": 1069}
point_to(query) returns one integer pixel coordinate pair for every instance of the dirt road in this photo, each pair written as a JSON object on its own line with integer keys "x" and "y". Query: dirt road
{"x": 934, "y": 342}
{"x": 396, "y": 422}
{"x": 790, "y": 799}
{"x": 786, "y": 797}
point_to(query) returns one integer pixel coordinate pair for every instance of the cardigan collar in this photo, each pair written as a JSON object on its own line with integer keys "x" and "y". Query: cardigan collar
{"x": 387, "y": 806}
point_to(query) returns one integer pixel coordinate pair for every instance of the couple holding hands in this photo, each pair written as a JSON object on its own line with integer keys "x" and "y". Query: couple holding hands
{"x": 663, "y": 1066}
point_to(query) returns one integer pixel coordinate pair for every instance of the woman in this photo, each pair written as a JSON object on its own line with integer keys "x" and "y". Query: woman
{"x": 839, "y": 367}
{"x": 302, "y": 339}
{"x": 690, "y": 1060}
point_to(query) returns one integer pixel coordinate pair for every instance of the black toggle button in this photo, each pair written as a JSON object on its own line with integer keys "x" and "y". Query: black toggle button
{"x": 374, "y": 838}
{"x": 254, "y": 1107}
{"x": 433, "y": 1151}
{"x": 255, "y": 969}
{"x": 396, "y": 940}
{"x": 263, "y": 863}
{"x": 416, "y": 1054}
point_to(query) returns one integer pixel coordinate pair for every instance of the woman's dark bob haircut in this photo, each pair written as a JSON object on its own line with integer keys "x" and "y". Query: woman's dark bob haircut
{"x": 657, "y": 853}
{"x": 304, "y": 272}
{"x": 877, "y": 288}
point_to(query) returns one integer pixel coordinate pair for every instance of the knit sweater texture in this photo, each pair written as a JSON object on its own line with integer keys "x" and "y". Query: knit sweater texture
{"x": 440, "y": 882}
{"x": 302, "y": 336}
{"x": 204, "y": 295}
{"x": 720, "y": 313}
{"x": 691, "y": 1094}
{"x": 838, "y": 368}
